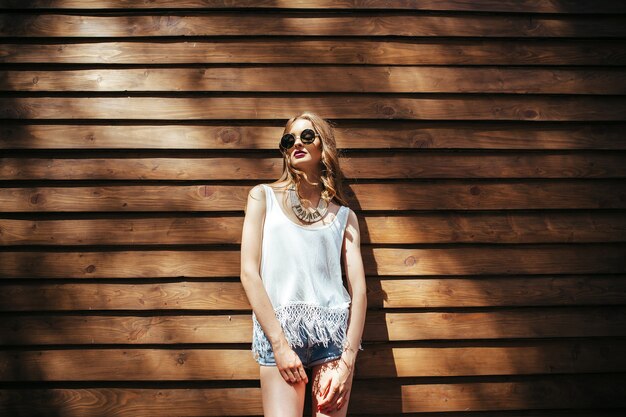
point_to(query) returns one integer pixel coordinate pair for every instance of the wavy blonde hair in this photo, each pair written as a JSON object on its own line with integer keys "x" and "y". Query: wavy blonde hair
{"x": 331, "y": 177}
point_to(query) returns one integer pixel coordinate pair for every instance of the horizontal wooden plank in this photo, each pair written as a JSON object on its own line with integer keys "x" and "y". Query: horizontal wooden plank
{"x": 545, "y": 393}
{"x": 516, "y": 358}
{"x": 512, "y": 6}
{"x": 188, "y": 296}
{"x": 502, "y": 228}
{"x": 501, "y": 323}
{"x": 404, "y": 293}
{"x": 547, "y": 108}
{"x": 528, "y": 322}
{"x": 470, "y": 260}
{"x": 128, "y": 365}
{"x": 513, "y": 358}
{"x": 485, "y": 291}
{"x": 309, "y": 24}
{"x": 216, "y": 263}
{"x": 571, "y": 392}
{"x": 552, "y": 259}
{"x": 132, "y": 402}
{"x": 289, "y": 51}
{"x": 388, "y": 134}
{"x": 189, "y": 230}
{"x": 306, "y": 78}
{"x": 54, "y": 329}
{"x": 382, "y": 165}
{"x": 442, "y": 227}
{"x": 481, "y": 195}
{"x": 433, "y": 195}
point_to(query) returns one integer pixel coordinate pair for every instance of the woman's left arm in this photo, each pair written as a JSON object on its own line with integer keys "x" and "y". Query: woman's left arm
{"x": 337, "y": 388}
{"x": 355, "y": 274}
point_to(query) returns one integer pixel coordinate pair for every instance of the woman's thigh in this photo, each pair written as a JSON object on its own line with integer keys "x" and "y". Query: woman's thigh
{"x": 280, "y": 398}
{"x": 321, "y": 374}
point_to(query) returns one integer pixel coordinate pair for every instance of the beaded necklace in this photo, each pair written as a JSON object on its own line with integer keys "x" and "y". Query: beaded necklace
{"x": 304, "y": 214}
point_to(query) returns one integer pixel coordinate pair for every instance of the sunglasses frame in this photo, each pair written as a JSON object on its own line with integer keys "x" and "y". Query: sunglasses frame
{"x": 304, "y": 141}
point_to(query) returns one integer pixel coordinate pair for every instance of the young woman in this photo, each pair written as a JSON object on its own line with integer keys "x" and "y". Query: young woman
{"x": 296, "y": 233}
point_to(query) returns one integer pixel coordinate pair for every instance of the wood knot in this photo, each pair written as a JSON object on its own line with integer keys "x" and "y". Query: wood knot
{"x": 410, "y": 261}
{"x": 388, "y": 111}
{"x": 207, "y": 191}
{"x": 90, "y": 269}
{"x": 530, "y": 114}
{"x": 229, "y": 136}
{"x": 475, "y": 190}
{"x": 422, "y": 140}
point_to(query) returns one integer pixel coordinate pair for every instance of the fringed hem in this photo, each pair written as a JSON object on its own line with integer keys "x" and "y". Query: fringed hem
{"x": 301, "y": 322}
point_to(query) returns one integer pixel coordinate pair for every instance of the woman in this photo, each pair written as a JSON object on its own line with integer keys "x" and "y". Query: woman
{"x": 296, "y": 232}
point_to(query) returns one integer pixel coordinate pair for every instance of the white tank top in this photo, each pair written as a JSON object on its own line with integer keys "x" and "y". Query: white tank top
{"x": 301, "y": 272}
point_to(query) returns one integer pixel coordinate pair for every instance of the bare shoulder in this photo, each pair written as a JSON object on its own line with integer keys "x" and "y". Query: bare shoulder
{"x": 352, "y": 235}
{"x": 256, "y": 199}
{"x": 257, "y": 192}
{"x": 351, "y": 214}
{"x": 352, "y": 221}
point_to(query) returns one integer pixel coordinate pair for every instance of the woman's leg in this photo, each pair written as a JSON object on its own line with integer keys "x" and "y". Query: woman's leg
{"x": 280, "y": 398}
{"x": 321, "y": 374}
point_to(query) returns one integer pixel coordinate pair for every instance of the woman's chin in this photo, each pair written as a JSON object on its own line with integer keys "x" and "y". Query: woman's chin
{"x": 301, "y": 161}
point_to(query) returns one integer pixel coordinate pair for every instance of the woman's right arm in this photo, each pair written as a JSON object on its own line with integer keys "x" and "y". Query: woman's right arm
{"x": 287, "y": 361}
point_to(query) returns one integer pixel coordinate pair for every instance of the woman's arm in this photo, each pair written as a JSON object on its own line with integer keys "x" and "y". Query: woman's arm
{"x": 355, "y": 274}
{"x": 251, "y": 243}
{"x": 287, "y": 361}
{"x": 337, "y": 388}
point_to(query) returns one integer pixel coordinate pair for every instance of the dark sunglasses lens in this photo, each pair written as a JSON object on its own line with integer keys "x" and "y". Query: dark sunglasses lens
{"x": 287, "y": 141}
{"x": 307, "y": 135}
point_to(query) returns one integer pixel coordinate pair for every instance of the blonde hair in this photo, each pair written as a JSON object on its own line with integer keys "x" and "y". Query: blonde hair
{"x": 331, "y": 176}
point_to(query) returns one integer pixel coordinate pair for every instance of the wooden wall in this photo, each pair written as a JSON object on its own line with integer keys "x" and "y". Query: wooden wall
{"x": 485, "y": 150}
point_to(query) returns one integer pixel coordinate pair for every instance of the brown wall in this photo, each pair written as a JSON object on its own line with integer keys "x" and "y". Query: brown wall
{"x": 485, "y": 153}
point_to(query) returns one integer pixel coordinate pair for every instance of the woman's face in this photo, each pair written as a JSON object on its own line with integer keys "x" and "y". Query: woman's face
{"x": 300, "y": 154}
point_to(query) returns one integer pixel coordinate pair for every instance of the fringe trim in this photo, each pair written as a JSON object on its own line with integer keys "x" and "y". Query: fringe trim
{"x": 318, "y": 324}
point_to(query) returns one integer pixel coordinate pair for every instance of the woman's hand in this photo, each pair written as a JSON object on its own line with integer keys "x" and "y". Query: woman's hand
{"x": 289, "y": 364}
{"x": 336, "y": 389}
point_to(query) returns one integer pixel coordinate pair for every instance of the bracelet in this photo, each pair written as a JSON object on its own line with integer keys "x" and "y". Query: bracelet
{"x": 347, "y": 348}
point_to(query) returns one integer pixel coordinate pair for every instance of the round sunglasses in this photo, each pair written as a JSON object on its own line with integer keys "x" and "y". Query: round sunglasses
{"x": 306, "y": 136}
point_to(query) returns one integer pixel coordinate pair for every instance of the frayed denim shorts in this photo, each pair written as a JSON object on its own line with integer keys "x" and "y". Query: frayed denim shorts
{"x": 310, "y": 354}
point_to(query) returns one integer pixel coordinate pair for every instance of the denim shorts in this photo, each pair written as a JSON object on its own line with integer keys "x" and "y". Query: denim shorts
{"x": 309, "y": 354}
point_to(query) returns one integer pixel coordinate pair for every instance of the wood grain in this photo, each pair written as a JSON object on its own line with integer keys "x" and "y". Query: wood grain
{"x": 554, "y": 226}
{"x": 382, "y": 165}
{"x": 513, "y": 6}
{"x": 387, "y": 293}
{"x": 96, "y": 328}
{"x": 458, "y": 260}
{"x": 381, "y": 134}
{"x": 516, "y": 358}
{"x": 377, "y": 397}
{"x": 428, "y": 195}
{"x": 528, "y": 108}
{"x": 606, "y": 52}
{"x": 307, "y": 78}
{"x": 309, "y": 24}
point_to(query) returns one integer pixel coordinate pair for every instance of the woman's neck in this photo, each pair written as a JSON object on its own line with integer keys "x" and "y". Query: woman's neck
{"x": 311, "y": 191}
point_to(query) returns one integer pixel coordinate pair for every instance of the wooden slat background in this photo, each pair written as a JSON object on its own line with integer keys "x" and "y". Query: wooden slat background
{"x": 484, "y": 149}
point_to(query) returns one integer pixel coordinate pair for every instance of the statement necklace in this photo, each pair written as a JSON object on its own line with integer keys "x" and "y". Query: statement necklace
{"x": 304, "y": 214}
